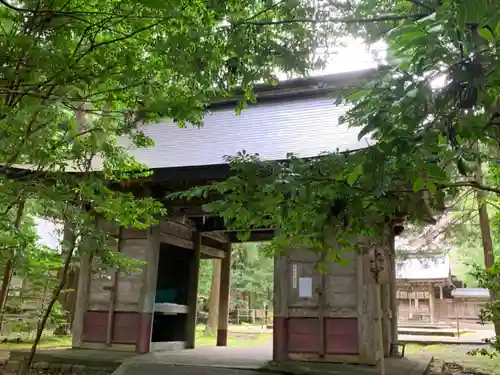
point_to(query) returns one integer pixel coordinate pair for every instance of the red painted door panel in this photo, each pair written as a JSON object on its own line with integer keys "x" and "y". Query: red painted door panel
{"x": 340, "y": 335}
{"x": 303, "y": 335}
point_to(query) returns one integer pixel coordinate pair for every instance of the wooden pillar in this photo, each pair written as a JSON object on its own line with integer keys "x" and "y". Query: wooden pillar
{"x": 194, "y": 275}
{"x": 366, "y": 306}
{"x": 386, "y": 318}
{"x": 82, "y": 296}
{"x": 112, "y": 296}
{"x": 280, "y": 302}
{"x": 441, "y": 296}
{"x": 432, "y": 305}
{"x": 225, "y": 284}
{"x": 148, "y": 290}
{"x": 393, "y": 293}
{"x": 410, "y": 312}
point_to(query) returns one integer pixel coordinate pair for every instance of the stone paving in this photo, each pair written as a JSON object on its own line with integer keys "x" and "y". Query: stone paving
{"x": 216, "y": 361}
{"x": 243, "y": 360}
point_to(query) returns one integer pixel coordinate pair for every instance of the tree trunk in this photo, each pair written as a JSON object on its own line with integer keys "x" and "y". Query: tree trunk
{"x": 69, "y": 249}
{"x": 393, "y": 291}
{"x": 487, "y": 241}
{"x": 67, "y": 299}
{"x": 10, "y": 265}
{"x": 213, "y": 301}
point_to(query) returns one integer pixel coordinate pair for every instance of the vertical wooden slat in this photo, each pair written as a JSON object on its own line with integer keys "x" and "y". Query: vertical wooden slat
{"x": 393, "y": 292}
{"x": 148, "y": 290}
{"x": 193, "y": 291}
{"x": 380, "y": 326}
{"x": 82, "y": 296}
{"x": 365, "y": 306}
{"x": 225, "y": 284}
{"x": 112, "y": 296}
{"x": 280, "y": 301}
{"x": 386, "y": 317}
{"x": 432, "y": 305}
{"x": 322, "y": 308}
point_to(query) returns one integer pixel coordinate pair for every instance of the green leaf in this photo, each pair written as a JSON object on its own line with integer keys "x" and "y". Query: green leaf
{"x": 430, "y": 17}
{"x": 497, "y": 30}
{"x": 486, "y": 34}
{"x": 365, "y": 130}
{"x": 462, "y": 167}
{"x": 354, "y": 174}
{"x": 358, "y": 95}
{"x": 419, "y": 184}
{"x": 442, "y": 140}
{"x": 435, "y": 172}
{"x": 431, "y": 186}
{"x": 412, "y": 93}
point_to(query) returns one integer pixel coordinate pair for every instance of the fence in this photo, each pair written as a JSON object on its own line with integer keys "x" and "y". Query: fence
{"x": 251, "y": 316}
{"x": 262, "y": 317}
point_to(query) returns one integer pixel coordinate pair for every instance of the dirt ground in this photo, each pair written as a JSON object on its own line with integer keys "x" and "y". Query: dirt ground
{"x": 457, "y": 361}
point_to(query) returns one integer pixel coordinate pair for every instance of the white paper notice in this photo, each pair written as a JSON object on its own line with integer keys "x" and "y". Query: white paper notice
{"x": 294, "y": 276}
{"x": 305, "y": 287}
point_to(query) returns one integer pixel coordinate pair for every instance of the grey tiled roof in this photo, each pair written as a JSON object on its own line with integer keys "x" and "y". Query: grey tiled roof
{"x": 306, "y": 127}
{"x": 470, "y": 292}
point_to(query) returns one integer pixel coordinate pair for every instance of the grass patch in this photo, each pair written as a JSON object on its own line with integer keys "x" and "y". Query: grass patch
{"x": 458, "y": 354}
{"x": 45, "y": 342}
{"x": 201, "y": 340}
{"x": 466, "y": 334}
{"x": 233, "y": 340}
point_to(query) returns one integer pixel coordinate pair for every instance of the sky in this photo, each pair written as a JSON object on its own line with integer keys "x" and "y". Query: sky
{"x": 355, "y": 56}
{"x": 48, "y": 233}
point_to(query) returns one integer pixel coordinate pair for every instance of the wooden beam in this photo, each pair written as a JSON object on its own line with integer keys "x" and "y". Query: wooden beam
{"x": 82, "y": 295}
{"x": 209, "y": 240}
{"x": 393, "y": 292}
{"x": 432, "y": 305}
{"x": 148, "y": 289}
{"x": 112, "y": 295}
{"x": 210, "y": 252}
{"x": 193, "y": 292}
{"x": 366, "y": 305}
{"x": 280, "y": 302}
{"x": 220, "y": 237}
{"x": 225, "y": 283}
{"x": 255, "y": 236}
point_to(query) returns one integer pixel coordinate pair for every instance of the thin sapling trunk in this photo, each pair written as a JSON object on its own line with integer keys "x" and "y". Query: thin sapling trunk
{"x": 10, "y": 265}
{"x": 70, "y": 241}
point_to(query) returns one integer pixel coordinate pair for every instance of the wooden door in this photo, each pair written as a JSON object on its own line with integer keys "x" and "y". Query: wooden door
{"x": 322, "y": 315}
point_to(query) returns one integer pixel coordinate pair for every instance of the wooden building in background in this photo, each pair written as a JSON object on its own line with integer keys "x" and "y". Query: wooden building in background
{"x": 317, "y": 316}
{"x": 465, "y": 304}
{"x": 424, "y": 282}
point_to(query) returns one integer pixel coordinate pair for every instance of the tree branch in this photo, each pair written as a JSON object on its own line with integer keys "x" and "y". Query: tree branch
{"x": 52, "y": 11}
{"x": 415, "y": 17}
{"x": 275, "y": 5}
{"x": 476, "y": 185}
{"x": 422, "y": 5}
